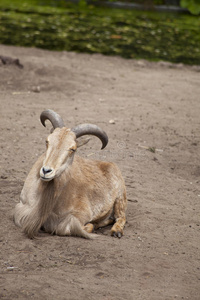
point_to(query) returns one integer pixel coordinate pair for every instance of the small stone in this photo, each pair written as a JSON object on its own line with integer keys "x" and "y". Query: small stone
{"x": 36, "y": 89}
{"x": 112, "y": 121}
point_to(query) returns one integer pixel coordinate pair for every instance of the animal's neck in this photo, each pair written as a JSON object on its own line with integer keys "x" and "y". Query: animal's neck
{"x": 47, "y": 200}
{"x": 51, "y": 191}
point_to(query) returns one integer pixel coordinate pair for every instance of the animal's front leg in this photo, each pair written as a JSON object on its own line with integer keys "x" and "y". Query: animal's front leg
{"x": 117, "y": 229}
{"x": 104, "y": 223}
{"x": 120, "y": 217}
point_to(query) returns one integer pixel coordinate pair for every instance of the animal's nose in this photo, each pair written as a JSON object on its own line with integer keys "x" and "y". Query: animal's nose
{"x": 46, "y": 170}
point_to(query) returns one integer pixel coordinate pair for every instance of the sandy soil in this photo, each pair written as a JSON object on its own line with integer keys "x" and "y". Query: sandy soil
{"x": 155, "y": 106}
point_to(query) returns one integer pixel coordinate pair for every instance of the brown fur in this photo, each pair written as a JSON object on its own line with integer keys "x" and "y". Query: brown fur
{"x": 80, "y": 192}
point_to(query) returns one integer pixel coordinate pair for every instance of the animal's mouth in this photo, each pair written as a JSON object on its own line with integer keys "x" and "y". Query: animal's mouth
{"x": 46, "y": 178}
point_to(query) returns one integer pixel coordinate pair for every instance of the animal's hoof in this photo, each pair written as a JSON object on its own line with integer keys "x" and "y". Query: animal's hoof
{"x": 117, "y": 234}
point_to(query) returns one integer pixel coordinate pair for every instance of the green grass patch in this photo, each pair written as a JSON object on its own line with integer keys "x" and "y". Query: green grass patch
{"x": 57, "y": 25}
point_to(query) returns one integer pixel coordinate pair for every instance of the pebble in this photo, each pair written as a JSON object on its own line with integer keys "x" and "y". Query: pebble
{"x": 36, "y": 89}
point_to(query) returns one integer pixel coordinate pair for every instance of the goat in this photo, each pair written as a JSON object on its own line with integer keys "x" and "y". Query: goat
{"x": 65, "y": 194}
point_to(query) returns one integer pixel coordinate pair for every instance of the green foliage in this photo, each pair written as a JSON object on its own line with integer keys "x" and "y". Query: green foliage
{"x": 80, "y": 28}
{"x": 82, "y": 3}
{"x": 192, "y": 5}
{"x": 147, "y": 2}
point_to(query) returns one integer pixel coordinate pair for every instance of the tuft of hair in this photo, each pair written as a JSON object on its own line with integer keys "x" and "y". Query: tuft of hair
{"x": 72, "y": 226}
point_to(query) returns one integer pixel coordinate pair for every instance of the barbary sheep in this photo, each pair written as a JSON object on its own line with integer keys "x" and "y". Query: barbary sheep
{"x": 66, "y": 194}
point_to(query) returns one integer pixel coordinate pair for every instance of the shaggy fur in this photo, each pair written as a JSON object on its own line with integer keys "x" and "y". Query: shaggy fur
{"x": 75, "y": 196}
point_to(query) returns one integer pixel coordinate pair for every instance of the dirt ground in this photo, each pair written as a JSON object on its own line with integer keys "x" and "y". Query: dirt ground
{"x": 154, "y": 139}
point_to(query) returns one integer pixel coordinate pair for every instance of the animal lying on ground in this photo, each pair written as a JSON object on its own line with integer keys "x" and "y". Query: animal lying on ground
{"x": 66, "y": 194}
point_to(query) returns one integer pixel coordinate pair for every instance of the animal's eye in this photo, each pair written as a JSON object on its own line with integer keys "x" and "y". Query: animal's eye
{"x": 72, "y": 150}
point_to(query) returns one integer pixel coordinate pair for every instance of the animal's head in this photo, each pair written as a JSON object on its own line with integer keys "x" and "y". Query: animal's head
{"x": 62, "y": 144}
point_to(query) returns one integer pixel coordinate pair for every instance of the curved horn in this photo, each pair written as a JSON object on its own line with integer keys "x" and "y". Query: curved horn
{"x": 53, "y": 117}
{"x": 91, "y": 129}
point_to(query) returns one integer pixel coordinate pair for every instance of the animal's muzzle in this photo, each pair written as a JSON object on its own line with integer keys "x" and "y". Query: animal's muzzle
{"x": 46, "y": 173}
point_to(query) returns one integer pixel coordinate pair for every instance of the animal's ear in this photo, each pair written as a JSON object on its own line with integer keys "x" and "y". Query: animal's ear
{"x": 82, "y": 141}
